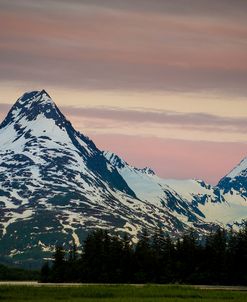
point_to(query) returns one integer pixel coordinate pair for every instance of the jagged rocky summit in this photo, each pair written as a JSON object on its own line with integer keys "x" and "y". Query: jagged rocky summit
{"x": 56, "y": 186}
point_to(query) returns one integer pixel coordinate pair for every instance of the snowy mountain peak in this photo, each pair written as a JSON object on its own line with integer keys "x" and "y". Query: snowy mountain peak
{"x": 34, "y": 96}
{"x": 119, "y": 163}
{"x": 31, "y": 106}
{"x": 239, "y": 170}
{"x": 236, "y": 180}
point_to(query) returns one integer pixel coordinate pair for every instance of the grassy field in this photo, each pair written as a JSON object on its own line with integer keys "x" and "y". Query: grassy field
{"x": 116, "y": 293}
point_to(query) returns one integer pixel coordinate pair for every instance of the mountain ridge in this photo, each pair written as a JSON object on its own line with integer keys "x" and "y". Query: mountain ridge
{"x": 56, "y": 186}
{"x": 212, "y": 203}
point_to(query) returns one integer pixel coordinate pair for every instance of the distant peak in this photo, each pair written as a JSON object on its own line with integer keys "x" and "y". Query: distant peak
{"x": 147, "y": 170}
{"x": 239, "y": 170}
{"x": 118, "y": 162}
{"x": 114, "y": 159}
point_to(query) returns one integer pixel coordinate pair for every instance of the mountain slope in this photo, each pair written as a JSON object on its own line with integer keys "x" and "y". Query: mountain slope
{"x": 192, "y": 198}
{"x": 149, "y": 187}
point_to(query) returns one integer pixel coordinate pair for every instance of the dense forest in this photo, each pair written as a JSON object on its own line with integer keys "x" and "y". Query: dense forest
{"x": 219, "y": 258}
{"x": 17, "y": 274}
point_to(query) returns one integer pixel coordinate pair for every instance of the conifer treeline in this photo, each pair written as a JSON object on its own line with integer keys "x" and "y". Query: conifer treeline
{"x": 220, "y": 259}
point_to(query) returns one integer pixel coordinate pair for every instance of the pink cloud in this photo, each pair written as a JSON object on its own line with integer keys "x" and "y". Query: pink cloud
{"x": 198, "y": 121}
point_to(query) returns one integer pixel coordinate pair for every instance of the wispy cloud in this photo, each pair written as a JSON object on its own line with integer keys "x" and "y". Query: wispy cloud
{"x": 131, "y": 45}
{"x": 187, "y": 7}
{"x": 200, "y": 121}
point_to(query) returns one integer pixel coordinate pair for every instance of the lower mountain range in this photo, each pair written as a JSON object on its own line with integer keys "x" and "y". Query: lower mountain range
{"x": 56, "y": 186}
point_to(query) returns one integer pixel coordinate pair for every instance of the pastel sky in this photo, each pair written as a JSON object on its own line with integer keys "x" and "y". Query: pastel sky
{"x": 161, "y": 83}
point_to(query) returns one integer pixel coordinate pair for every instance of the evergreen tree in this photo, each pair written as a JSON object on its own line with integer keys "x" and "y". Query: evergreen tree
{"x": 187, "y": 257}
{"x": 158, "y": 248}
{"x": 45, "y": 273}
{"x": 58, "y": 267}
{"x": 144, "y": 259}
{"x": 96, "y": 251}
{"x": 73, "y": 253}
{"x": 215, "y": 251}
{"x": 168, "y": 261}
{"x": 72, "y": 272}
{"x": 127, "y": 260}
{"x": 238, "y": 256}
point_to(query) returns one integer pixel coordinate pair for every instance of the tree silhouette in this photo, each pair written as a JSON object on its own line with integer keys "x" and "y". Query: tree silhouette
{"x": 218, "y": 258}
